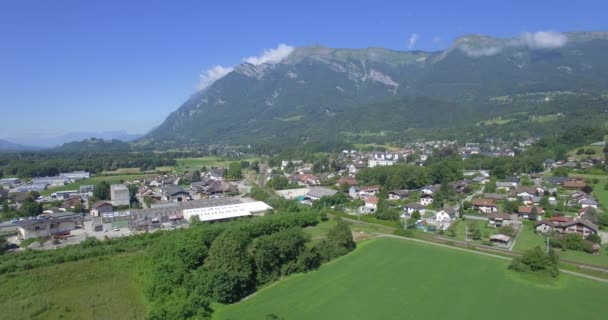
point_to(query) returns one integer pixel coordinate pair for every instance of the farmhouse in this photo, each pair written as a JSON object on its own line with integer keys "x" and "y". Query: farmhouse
{"x": 581, "y": 226}
{"x": 398, "y": 194}
{"x": 100, "y": 207}
{"x": 368, "y": 191}
{"x": 444, "y": 218}
{"x": 485, "y": 205}
{"x": 371, "y": 204}
{"x": 525, "y": 212}
{"x": 411, "y": 207}
{"x": 497, "y": 220}
{"x": 426, "y": 199}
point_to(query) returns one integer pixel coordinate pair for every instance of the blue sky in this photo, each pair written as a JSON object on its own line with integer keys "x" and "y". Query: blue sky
{"x": 125, "y": 65}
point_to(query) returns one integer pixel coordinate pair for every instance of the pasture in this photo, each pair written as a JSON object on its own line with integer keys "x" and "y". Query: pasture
{"x": 400, "y": 279}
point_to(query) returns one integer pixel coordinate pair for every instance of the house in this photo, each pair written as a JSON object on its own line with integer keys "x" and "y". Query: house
{"x": 72, "y": 202}
{"x": 574, "y": 184}
{"x": 506, "y": 185}
{"x": 549, "y": 164}
{"x": 316, "y": 193}
{"x": 411, "y": 207}
{"x": 444, "y": 218}
{"x": 368, "y": 191}
{"x": 486, "y": 206}
{"x": 588, "y": 203}
{"x": 353, "y": 168}
{"x": 524, "y": 191}
{"x": 498, "y": 220}
{"x": 480, "y": 180}
{"x": 501, "y": 240}
{"x": 544, "y": 226}
{"x": 119, "y": 193}
{"x": 100, "y": 207}
{"x": 371, "y": 203}
{"x": 581, "y": 226}
{"x": 174, "y": 194}
{"x": 347, "y": 181}
{"x": 87, "y": 189}
{"x": 426, "y": 199}
{"x": 430, "y": 189}
{"x": 525, "y": 212}
{"x": 569, "y": 164}
{"x": 496, "y": 196}
{"x": 557, "y": 180}
{"x": 398, "y": 194}
{"x": 57, "y": 224}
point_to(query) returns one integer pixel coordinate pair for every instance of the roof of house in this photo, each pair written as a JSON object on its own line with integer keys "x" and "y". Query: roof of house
{"x": 370, "y": 188}
{"x": 582, "y": 221}
{"x": 318, "y": 192}
{"x": 557, "y": 180}
{"x": 574, "y": 184}
{"x": 484, "y": 202}
{"x": 549, "y": 161}
{"x": 495, "y": 196}
{"x": 401, "y": 193}
{"x": 99, "y": 204}
{"x": 502, "y": 215}
{"x": 414, "y": 205}
{"x": 504, "y": 184}
{"x": 589, "y": 202}
{"x": 560, "y": 219}
{"x": 528, "y": 209}
{"x": 500, "y": 237}
{"x": 372, "y": 200}
{"x": 172, "y": 190}
{"x": 524, "y": 189}
{"x": 479, "y": 179}
{"x": 547, "y": 222}
{"x": 350, "y": 181}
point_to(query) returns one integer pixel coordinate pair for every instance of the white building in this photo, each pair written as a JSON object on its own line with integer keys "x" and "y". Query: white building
{"x": 226, "y": 211}
{"x": 380, "y": 163}
{"x": 119, "y": 193}
{"x": 76, "y": 175}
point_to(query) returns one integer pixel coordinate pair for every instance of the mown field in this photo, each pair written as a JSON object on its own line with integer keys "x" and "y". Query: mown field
{"x": 99, "y": 288}
{"x": 197, "y": 163}
{"x": 400, "y": 279}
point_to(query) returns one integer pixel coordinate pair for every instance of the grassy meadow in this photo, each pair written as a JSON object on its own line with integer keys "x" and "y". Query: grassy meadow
{"x": 400, "y": 279}
{"x": 99, "y": 288}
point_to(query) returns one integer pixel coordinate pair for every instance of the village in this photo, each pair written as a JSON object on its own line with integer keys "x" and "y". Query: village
{"x": 478, "y": 208}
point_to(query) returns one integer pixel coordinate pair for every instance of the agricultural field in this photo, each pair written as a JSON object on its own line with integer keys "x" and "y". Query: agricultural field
{"x": 197, "y": 163}
{"x": 99, "y": 288}
{"x": 401, "y": 279}
{"x": 111, "y": 179}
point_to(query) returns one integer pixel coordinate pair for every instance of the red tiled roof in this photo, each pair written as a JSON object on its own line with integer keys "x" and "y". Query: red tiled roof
{"x": 372, "y": 200}
{"x": 528, "y": 210}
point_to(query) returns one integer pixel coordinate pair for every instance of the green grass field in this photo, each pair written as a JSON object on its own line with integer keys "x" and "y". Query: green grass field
{"x": 399, "y": 279}
{"x": 111, "y": 179}
{"x": 102, "y": 288}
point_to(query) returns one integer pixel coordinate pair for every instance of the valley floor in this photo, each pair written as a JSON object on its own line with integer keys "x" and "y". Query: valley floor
{"x": 399, "y": 279}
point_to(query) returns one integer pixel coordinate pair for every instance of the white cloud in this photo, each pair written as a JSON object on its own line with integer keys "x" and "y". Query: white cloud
{"x": 543, "y": 39}
{"x": 213, "y": 74}
{"x": 531, "y": 40}
{"x": 275, "y": 55}
{"x": 436, "y": 39}
{"x": 412, "y": 41}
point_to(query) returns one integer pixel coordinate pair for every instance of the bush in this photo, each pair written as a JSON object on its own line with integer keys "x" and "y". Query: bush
{"x": 408, "y": 233}
{"x": 594, "y": 238}
{"x": 537, "y": 261}
{"x": 507, "y": 230}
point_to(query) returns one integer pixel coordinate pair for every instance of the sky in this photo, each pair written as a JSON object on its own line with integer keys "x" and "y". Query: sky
{"x": 70, "y": 66}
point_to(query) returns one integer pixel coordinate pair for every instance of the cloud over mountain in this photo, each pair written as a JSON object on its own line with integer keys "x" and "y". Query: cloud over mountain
{"x": 475, "y": 47}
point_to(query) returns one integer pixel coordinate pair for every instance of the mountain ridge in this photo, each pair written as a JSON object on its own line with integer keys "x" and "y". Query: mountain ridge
{"x": 315, "y": 83}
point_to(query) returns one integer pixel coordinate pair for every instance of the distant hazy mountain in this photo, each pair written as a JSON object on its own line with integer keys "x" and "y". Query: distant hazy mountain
{"x": 10, "y": 146}
{"x": 320, "y": 93}
{"x": 54, "y": 141}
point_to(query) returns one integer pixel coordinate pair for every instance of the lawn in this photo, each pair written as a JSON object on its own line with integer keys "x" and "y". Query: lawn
{"x": 111, "y": 179}
{"x": 399, "y": 279}
{"x": 100, "y": 288}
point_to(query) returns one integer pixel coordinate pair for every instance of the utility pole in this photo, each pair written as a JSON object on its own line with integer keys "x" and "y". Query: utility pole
{"x": 547, "y": 245}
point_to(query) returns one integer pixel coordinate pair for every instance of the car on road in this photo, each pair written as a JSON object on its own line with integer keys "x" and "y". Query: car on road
{"x": 116, "y": 229}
